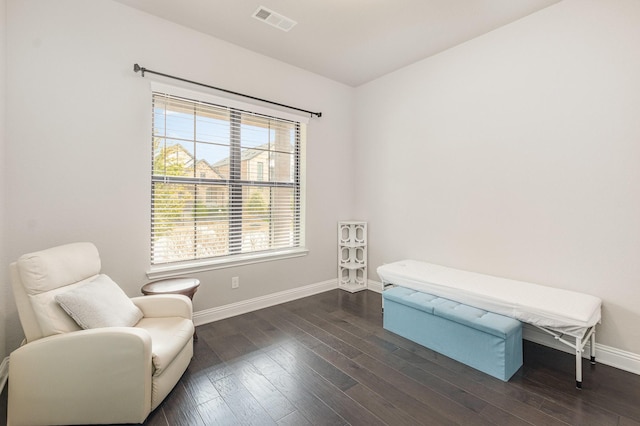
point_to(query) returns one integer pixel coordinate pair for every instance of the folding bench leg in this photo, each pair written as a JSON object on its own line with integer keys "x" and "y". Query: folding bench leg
{"x": 580, "y": 344}
{"x": 578, "y": 363}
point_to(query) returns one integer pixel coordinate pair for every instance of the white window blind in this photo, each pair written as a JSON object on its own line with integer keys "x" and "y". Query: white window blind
{"x": 225, "y": 181}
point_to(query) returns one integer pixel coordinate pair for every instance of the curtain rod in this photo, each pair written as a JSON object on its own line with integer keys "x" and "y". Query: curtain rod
{"x": 142, "y": 70}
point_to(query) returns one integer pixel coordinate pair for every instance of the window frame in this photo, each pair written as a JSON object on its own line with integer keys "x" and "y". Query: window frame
{"x": 163, "y": 270}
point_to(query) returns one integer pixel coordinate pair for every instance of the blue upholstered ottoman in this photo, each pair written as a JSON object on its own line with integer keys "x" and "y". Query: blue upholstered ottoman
{"x": 483, "y": 340}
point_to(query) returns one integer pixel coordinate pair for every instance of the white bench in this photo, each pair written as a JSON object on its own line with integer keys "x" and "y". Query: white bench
{"x": 558, "y": 312}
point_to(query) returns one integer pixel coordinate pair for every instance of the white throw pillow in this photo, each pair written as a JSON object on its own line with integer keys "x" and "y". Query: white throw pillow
{"x": 99, "y": 303}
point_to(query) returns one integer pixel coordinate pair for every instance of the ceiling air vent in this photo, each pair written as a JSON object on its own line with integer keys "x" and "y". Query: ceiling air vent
{"x": 274, "y": 19}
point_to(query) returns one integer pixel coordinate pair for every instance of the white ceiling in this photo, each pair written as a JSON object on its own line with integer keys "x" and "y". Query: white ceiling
{"x": 350, "y": 41}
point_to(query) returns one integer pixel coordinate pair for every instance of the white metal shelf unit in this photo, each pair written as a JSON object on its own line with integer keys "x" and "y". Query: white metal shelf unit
{"x": 352, "y": 255}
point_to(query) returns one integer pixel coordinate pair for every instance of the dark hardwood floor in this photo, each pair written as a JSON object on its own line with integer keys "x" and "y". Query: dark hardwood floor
{"x": 326, "y": 360}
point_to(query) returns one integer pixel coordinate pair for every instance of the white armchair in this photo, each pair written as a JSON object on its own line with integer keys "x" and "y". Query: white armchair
{"x": 64, "y": 374}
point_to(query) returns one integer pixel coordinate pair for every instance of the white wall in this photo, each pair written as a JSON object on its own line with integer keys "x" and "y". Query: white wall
{"x": 516, "y": 154}
{"x": 78, "y": 139}
{"x": 3, "y": 267}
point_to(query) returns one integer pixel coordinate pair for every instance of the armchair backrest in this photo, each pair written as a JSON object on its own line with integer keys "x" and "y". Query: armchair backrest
{"x": 38, "y": 277}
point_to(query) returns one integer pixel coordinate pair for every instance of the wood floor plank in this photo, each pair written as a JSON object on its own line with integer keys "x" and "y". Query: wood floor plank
{"x": 564, "y": 402}
{"x": 263, "y": 391}
{"x": 335, "y": 398}
{"x": 217, "y": 412}
{"x": 500, "y": 417}
{"x": 259, "y": 332}
{"x": 232, "y": 346}
{"x": 625, "y": 421}
{"x": 462, "y": 411}
{"x": 244, "y": 406}
{"x": 156, "y": 418}
{"x": 382, "y": 407}
{"x": 324, "y": 336}
{"x": 294, "y": 419}
{"x": 325, "y": 369}
{"x": 305, "y": 402}
{"x": 203, "y": 356}
{"x": 612, "y": 390}
{"x": 180, "y": 408}
{"x": 199, "y": 387}
{"x": 495, "y": 399}
{"x": 577, "y": 416}
{"x": 354, "y": 341}
{"x": 274, "y": 317}
{"x": 415, "y": 408}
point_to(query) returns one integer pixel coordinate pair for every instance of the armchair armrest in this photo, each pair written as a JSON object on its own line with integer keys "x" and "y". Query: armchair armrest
{"x": 70, "y": 376}
{"x": 164, "y": 305}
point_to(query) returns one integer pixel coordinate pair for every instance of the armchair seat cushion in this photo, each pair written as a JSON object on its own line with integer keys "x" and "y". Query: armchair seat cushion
{"x": 169, "y": 335}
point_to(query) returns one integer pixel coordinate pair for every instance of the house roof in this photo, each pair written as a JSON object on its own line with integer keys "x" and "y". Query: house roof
{"x": 245, "y": 154}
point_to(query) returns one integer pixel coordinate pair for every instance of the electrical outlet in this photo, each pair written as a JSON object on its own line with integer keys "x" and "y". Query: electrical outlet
{"x": 235, "y": 282}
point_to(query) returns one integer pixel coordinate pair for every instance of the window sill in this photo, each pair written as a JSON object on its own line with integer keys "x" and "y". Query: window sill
{"x": 177, "y": 269}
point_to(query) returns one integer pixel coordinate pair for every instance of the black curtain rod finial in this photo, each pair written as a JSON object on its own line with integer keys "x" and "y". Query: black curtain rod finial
{"x": 137, "y": 68}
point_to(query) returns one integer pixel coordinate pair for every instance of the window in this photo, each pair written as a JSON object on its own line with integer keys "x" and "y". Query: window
{"x": 212, "y": 199}
{"x": 260, "y": 175}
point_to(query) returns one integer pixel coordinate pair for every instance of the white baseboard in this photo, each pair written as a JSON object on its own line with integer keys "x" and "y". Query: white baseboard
{"x": 238, "y": 308}
{"x": 4, "y": 372}
{"x": 374, "y": 286}
{"x": 607, "y": 355}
